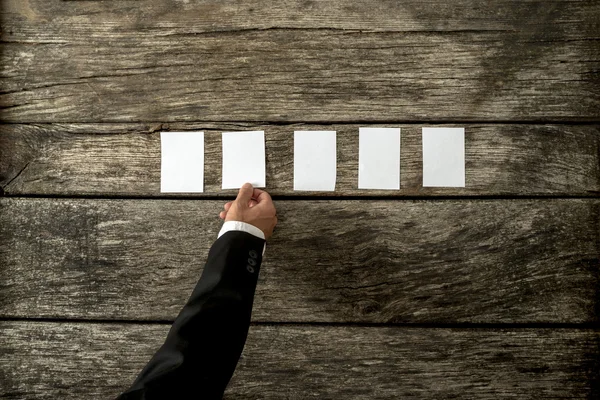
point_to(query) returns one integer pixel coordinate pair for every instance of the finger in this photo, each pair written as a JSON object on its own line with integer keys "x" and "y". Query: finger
{"x": 244, "y": 195}
{"x": 252, "y": 203}
{"x": 222, "y": 214}
{"x": 227, "y": 206}
{"x": 261, "y": 195}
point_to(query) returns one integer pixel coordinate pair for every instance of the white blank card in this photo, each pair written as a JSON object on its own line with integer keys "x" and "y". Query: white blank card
{"x": 182, "y": 162}
{"x": 315, "y": 160}
{"x": 444, "y": 157}
{"x": 243, "y": 159}
{"x": 379, "y": 158}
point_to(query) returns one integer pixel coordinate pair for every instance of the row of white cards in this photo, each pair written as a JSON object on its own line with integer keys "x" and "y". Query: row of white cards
{"x": 315, "y": 159}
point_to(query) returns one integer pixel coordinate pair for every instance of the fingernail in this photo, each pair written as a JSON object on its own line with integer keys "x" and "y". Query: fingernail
{"x": 247, "y": 185}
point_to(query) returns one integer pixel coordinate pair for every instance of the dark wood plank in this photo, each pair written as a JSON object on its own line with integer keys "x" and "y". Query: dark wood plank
{"x": 329, "y": 261}
{"x": 70, "y": 20}
{"x": 74, "y": 361}
{"x": 124, "y": 160}
{"x": 100, "y": 62}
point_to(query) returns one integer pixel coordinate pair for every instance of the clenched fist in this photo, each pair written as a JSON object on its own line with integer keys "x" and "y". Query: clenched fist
{"x": 254, "y": 207}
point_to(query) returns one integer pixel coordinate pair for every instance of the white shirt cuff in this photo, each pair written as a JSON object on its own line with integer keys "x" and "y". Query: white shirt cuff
{"x": 241, "y": 226}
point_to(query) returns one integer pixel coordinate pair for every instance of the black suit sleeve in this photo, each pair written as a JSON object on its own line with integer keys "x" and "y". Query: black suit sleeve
{"x": 206, "y": 340}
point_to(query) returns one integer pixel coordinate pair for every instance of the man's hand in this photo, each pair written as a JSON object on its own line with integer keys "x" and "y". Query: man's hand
{"x": 254, "y": 207}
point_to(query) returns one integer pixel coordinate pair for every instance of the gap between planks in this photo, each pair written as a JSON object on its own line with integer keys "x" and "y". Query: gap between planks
{"x": 325, "y": 197}
{"x": 159, "y": 125}
{"x": 440, "y": 325}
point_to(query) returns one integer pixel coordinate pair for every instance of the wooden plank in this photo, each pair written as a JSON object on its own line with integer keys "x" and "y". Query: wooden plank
{"x": 70, "y": 20}
{"x": 329, "y": 261}
{"x": 101, "y": 62}
{"x": 97, "y": 361}
{"x": 124, "y": 160}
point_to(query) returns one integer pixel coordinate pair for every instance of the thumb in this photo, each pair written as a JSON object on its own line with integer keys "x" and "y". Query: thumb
{"x": 245, "y": 195}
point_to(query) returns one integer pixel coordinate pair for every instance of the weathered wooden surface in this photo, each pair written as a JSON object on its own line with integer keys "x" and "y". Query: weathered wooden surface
{"x": 100, "y": 63}
{"x": 87, "y": 86}
{"x": 76, "y": 20}
{"x": 329, "y": 261}
{"x": 124, "y": 159}
{"x": 97, "y": 361}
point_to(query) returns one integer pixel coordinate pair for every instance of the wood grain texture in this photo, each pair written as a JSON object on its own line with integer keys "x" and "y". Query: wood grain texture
{"x": 329, "y": 261}
{"x": 108, "y": 76}
{"x": 101, "y": 63}
{"x": 124, "y": 160}
{"x": 75, "y": 20}
{"x": 74, "y": 361}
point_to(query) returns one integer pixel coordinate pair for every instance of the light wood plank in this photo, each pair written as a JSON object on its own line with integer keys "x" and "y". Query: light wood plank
{"x": 128, "y": 63}
{"x": 74, "y": 361}
{"x": 329, "y": 261}
{"x": 124, "y": 160}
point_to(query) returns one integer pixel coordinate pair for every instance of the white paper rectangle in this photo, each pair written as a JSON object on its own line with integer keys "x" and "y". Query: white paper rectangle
{"x": 379, "y": 158}
{"x": 444, "y": 157}
{"x": 315, "y": 160}
{"x": 243, "y": 159}
{"x": 182, "y": 162}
